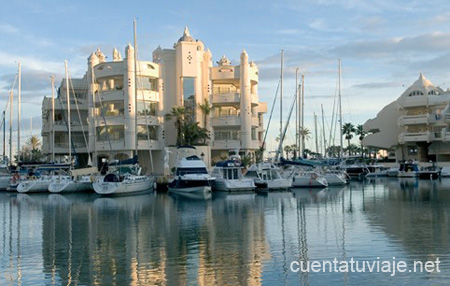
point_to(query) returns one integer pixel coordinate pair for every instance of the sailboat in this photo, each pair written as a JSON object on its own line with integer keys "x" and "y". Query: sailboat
{"x": 126, "y": 180}
{"x": 78, "y": 180}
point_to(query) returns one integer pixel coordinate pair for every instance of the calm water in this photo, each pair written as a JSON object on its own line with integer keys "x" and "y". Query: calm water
{"x": 246, "y": 239}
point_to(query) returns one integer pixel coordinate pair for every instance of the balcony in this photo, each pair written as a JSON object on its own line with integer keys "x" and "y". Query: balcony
{"x": 416, "y": 119}
{"x": 415, "y": 137}
{"x": 150, "y": 120}
{"x": 225, "y": 144}
{"x": 226, "y": 98}
{"x": 110, "y": 120}
{"x": 225, "y": 73}
{"x": 255, "y": 99}
{"x": 255, "y": 121}
{"x": 109, "y": 69}
{"x": 115, "y": 145}
{"x": 413, "y": 101}
{"x": 226, "y": 121}
{"x": 149, "y": 144}
{"x": 109, "y": 95}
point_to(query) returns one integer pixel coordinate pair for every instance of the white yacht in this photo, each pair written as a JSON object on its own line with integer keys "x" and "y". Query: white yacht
{"x": 35, "y": 184}
{"x": 408, "y": 169}
{"x": 191, "y": 176}
{"x": 80, "y": 180}
{"x": 124, "y": 178}
{"x": 336, "y": 177}
{"x": 229, "y": 177}
{"x": 266, "y": 176}
{"x": 309, "y": 179}
{"x": 39, "y": 178}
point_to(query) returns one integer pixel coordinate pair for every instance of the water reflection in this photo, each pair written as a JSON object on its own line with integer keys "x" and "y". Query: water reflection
{"x": 241, "y": 239}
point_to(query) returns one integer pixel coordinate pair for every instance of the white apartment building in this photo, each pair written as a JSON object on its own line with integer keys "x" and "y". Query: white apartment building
{"x": 416, "y": 125}
{"x": 182, "y": 76}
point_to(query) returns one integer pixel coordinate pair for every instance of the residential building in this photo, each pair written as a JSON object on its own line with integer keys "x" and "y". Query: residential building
{"x": 421, "y": 130}
{"x": 124, "y": 111}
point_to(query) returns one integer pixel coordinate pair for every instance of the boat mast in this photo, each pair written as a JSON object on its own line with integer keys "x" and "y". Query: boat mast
{"x": 281, "y": 100}
{"x": 68, "y": 114}
{"x": 297, "y": 114}
{"x": 315, "y": 133}
{"x": 94, "y": 162}
{"x": 4, "y": 134}
{"x": 302, "y": 123}
{"x": 135, "y": 88}
{"x": 53, "y": 118}
{"x": 340, "y": 111}
{"x": 323, "y": 132}
{"x": 11, "y": 97}
{"x": 18, "y": 115}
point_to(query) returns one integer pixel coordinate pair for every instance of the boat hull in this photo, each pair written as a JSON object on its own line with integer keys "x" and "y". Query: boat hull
{"x": 36, "y": 186}
{"x": 308, "y": 182}
{"x": 246, "y": 185}
{"x": 124, "y": 187}
{"x": 273, "y": 185}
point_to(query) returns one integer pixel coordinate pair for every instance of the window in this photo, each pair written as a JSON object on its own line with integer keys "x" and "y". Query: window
{"x": 415, "y": 93}
{"x": 147, "y": 108}
{"x": 111, "y": 108}
{"x": 111, "y": 133}
{"x": 225, "y": 88}
{"x": 112, "y": 83}
{"x": 253, "y": 133}
{"x": 227, "y": 135}
{"x": 147, "y": 83}
{"x": 188, "y": 84}
{"x": 226, "y": 111}
{"x": 433, "y": 92}
{"x": 147, "y": 132}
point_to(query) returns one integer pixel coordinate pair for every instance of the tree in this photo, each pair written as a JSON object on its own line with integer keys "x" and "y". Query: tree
{"x": 304, "y": 133}
{"x": 31, "y": 152}
{"x": 194, "y": 134}
{"x": 352, "y": 149}
{"x": 33, "y": 142}
{"x": 206, "y": 109}
{"x": 359, "y": 131}
{"x": 180, "y": 115}
{"x": 347, "y": 130}
{"x": 333, "y": 151}
{"x": 287, "y": 149}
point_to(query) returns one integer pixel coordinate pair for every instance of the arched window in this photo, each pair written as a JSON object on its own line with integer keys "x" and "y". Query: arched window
{"x": 433, "y": 92}
{"x": 415, "y": 93}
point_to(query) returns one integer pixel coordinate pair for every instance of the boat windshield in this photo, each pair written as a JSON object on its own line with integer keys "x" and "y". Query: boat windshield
{"x": 185, "y": 171}
{"x": 251, "y": 174}
{"x": 232, "y": 174}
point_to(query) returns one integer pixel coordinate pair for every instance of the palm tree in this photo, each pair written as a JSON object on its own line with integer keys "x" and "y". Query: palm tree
{"x": 287, "y": 149}
{"x": 206, "y": 109}
{"x": 359, "y": 131}
{"x": 33, "y": 142}
{"x": 180, "y": 115}
{"x": 304, "y": 133}
{"x": 347, "y": 130}
{"x": 194, "y": 134}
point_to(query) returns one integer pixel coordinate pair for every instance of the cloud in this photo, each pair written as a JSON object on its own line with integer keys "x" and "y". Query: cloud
{"x": 8, "y": 29}
{"x": 288, "y": 32}
{"x": 392, "y": 47}
{"x": 377, "y": 85}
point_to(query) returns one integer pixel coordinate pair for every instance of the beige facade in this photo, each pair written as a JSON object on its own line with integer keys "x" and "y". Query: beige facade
{"x": 182, "y": 76}
{"x": 416, "y": 125}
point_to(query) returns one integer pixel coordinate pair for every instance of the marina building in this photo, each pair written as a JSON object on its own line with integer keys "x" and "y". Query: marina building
{"x": 421, "y": 129}
{"x": 119, "y": 106}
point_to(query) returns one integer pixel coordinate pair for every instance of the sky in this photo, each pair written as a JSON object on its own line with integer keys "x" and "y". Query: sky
{"x": 384, "y": 46}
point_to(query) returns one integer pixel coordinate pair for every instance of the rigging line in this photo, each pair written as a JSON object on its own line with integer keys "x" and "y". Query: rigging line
{"x": 102, "y": 114}
{"x": 67, "y": 126}
{"x": 271, "y": 113}
{"x": 333, "y": 118}
{"x": 145, "y": 116}
{"x": 79, "y": 115}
